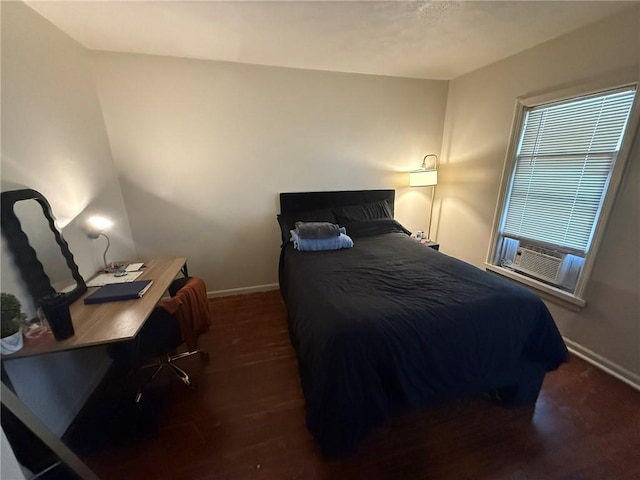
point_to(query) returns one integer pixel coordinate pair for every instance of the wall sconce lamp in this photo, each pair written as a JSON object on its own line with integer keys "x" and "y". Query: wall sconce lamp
{"x": 426, "y": 177}
{"x": 95, "y": 228}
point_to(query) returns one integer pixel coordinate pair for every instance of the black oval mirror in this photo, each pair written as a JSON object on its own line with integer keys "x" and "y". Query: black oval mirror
{"x": 38, "y": 248}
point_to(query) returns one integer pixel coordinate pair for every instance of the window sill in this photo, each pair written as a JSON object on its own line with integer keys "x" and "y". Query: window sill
{"x": 565, "y": 299}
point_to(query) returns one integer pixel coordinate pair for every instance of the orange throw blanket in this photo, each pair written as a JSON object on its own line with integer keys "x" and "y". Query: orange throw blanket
{"x": 191, "y": 307}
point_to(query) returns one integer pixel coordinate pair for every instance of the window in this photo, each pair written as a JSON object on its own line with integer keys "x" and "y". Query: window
{"x": 560, "y": 174}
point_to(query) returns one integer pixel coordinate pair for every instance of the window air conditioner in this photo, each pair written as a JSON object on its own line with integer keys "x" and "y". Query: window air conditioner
{"x": 538, "y": 262}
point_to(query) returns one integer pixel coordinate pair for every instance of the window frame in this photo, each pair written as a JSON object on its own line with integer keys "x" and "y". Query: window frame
{"x": 577, "y": 298}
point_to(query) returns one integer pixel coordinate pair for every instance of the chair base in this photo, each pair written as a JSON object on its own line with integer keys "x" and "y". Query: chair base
{"x": 168, "y": 362}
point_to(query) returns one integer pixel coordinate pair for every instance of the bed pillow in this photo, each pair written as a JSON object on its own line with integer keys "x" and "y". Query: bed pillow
{"x": 288, "y": 221}
{"x": 378, "y": 226}
{"x": 365, "y": 211}
{"x": 319, "y": 244}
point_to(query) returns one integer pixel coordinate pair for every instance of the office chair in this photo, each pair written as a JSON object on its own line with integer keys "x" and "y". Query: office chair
{"x": 178, "y": 320}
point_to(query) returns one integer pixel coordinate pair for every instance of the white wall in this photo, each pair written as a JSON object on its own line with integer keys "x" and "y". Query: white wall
{"x": 478, "y": 125}
{"x": 203, "y": 149}
{"x": 54, "y": 141}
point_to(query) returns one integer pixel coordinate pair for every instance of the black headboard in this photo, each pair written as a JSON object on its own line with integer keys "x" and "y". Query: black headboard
{"x": 307, "y": 201}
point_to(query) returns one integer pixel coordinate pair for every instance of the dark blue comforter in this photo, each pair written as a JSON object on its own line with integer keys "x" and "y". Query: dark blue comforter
{"x": 391, "y": 324}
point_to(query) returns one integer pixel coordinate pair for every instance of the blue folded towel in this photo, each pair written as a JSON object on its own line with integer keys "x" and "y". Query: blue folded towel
{"x": 316, "y": 244}
{"x": 307, "y": 230}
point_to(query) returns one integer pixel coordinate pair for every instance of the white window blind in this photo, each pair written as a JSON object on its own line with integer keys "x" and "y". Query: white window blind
{"x": 564, "y": 159}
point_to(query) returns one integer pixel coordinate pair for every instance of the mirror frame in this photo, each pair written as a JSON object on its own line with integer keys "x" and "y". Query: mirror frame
{"x": 25, "y": 256}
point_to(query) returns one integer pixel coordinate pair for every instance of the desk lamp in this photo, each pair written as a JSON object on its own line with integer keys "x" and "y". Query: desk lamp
{"x": 426, "y": 177}
{"x": 95, "y": 228}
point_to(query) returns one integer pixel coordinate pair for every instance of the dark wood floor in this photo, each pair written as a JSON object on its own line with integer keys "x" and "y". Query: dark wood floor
{"x": 245, "y": 420}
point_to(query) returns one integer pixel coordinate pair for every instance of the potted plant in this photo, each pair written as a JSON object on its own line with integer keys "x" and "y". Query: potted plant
{"x": 10, "y": 320}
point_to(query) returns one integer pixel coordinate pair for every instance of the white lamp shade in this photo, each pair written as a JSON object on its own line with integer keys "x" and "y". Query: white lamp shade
{"x": 97, "y": 225}
{"x": 100, "y": 223}
{"x": 423, "y": 178}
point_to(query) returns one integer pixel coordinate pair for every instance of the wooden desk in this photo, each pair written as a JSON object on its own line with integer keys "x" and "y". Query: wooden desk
{"x": 108, "y": 322}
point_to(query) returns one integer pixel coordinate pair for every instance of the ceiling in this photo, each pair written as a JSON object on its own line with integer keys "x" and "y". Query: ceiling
{"x": 418, "y": 39}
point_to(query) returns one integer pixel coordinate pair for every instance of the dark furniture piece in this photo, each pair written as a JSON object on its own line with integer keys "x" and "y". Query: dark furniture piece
{"x": 434, "y": 245}
{"x": 46, "y": 264}
{"x": 390, "y": 325}
{"x": 158, "y": 341}
{"x": 100, "y": 324}
{"x": 35, "y": 446}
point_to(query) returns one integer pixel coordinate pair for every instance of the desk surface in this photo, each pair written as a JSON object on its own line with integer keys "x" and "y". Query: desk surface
{"x": 108, "y": 322}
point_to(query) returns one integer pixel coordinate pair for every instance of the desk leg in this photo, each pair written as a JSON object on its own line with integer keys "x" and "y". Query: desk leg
{"x": 15, "y": 406}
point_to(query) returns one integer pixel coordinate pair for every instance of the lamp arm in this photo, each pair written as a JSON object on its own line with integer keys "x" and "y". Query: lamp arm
{"x": 424, "y": 161}
{"x": 104, "y": 255}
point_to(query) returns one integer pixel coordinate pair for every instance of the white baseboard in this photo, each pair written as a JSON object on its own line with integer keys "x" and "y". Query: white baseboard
{"x": 243, "y": 290}
{"x": 602, "y": 363}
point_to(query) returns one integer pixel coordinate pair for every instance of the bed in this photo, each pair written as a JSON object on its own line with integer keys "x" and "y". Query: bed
{"x": 391, "y": 324}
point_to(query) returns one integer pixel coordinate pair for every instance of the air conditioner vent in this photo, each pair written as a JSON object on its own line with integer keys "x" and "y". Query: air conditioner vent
{"x": 538, "y": 262}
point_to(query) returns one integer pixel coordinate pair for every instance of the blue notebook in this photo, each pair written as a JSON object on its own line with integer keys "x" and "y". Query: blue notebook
{"x": 114, "y": 292}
